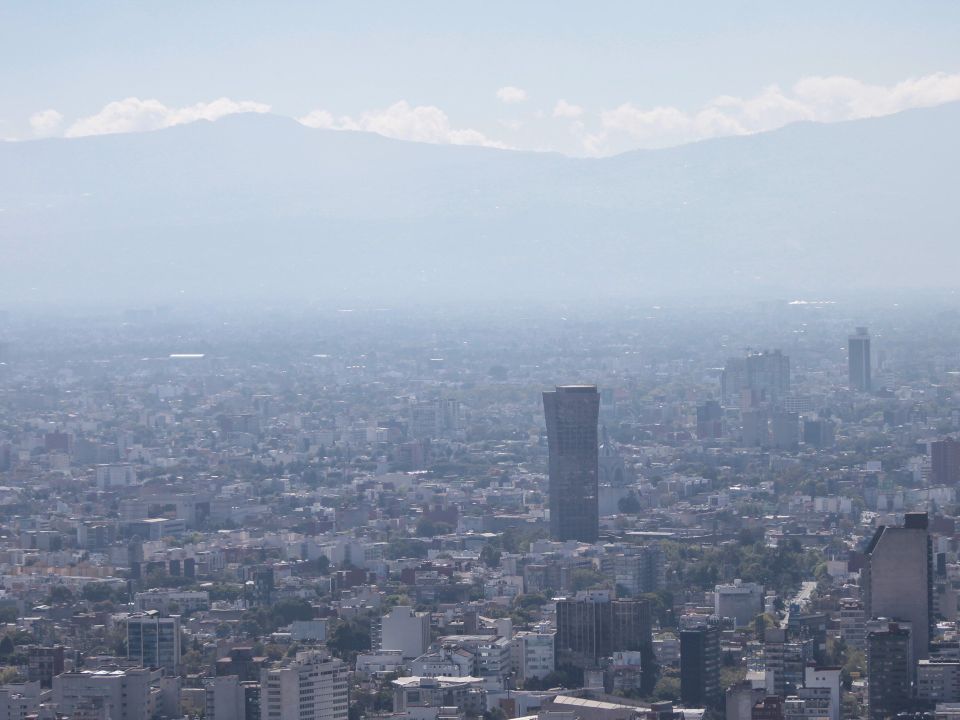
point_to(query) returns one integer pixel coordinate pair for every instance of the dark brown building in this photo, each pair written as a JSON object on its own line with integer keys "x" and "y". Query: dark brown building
{"x": 945, "y": 461}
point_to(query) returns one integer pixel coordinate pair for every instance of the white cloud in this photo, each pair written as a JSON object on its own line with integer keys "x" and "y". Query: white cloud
{"x": 45, "y": 123}
{"x": 318, "y": 119}
{"x": 819, "y": 99}
{"x": 136, "y": 115}
{"x": 420, "y": 123}
{"x": 511, "y": 95}
{"x": 563, "y": 109}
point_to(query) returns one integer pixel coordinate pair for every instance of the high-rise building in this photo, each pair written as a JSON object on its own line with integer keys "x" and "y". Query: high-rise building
{"x": 572, "y": 413}
{"x": 858, "y": 360}
{"x": 263, "y": 585}
{"x": 229, "y": 698}
{"x": 755, "y": 427}
{"x": 534, "y": 654}
{"x": 700, "y": 666}
{"x": 889, "y": 671}
{"x": 154, "y": 641}
{"x": 897, "y": 578}
{"x": 852, "y": 623}
{"x": 818, "y": 433}
{"x": 818, "y": 679}
{"x": 592, "y": 626}
{"x": 784, "y": 661}
{"x": 945, "y": 461}
{"x": 765, "y": 376}
{"x": 938, "y": 681}
{"x": 116, "y": 694}
{"x": 709, "y": 420}
{"x": 311, "y": 687}
{"x": 405, "y": 630}
{"x": 44, "y": 664}
{"x": 638, "y": 570}
{"x": 786, "y": 430}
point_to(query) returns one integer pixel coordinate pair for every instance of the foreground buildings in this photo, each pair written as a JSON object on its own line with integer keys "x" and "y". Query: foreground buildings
{"x": 310, "y": 687}
{"x": 379, "y": 519}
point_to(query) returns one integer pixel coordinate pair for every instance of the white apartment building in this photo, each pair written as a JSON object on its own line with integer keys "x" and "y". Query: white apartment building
{"x": 405, "y": 630}
{"x": 312, "y": 687}
{"x": 533, "y": 654}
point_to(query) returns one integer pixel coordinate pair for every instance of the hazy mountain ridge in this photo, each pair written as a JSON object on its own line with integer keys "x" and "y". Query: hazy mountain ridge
{"x": 262, "y": 206}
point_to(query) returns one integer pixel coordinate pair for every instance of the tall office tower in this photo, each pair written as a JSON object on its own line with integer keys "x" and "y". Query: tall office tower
{"x": 709, "y": 420}
{"x": 572, "y": 412}
{"x": 764, "y": 375}
{"x": 897, "y": 578}
{"x": 889, "y": 671}
{"x": 311, "y": 687}
{"x": 945, "y": 461}
{"x": 858, "y": 360}
{"x": 700, "y": 666}
{"x": 785, "y": 428}
{"x": 818, "y": 433}
{"x": 154, "y": 641}
{"x": 784, "y": 661}
{"x": 593, "y": 626}
{"x": 263, "y": 585}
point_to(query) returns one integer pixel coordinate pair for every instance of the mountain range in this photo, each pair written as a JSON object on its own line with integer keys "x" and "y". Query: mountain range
{"x": 260, "y": 208}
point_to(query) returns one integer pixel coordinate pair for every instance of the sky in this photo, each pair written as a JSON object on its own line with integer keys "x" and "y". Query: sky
{"x": 585, "y": 78}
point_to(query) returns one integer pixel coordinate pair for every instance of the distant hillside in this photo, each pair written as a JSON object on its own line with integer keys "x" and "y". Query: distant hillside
{"x": 256, "y": 206}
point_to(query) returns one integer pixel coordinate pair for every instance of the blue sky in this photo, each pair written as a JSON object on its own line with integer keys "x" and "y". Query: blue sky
{"x": 630, "y": 74}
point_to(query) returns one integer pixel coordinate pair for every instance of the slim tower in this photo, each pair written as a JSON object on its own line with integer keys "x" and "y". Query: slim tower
{"x": 859, "y": 360}
{"x": 572, "y": 412}
{"x": 700, "y": 666}
{"x": 897, "y": 578}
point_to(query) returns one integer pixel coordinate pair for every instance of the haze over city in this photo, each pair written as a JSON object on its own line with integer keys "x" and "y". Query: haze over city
{"x": 479, "y": 361}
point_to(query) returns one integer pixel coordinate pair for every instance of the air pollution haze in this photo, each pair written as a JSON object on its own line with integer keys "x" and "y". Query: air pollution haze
{"x": 259, "y": 207}
{"x": 431, "y": 360}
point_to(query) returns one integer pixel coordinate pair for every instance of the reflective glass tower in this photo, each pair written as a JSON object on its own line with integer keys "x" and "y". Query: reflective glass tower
{"x": 572, "y": 413}
{"x": 858, "y": 358}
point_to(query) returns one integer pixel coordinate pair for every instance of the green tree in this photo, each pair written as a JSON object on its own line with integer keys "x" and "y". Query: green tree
{"x": 629, "y": 505}
{"x": 286, "y": 611}
{"x": 490, "y": 556}
{"x": 97, "y": 592}
{"x": 60, "y": 595}
{"x": 406, "y": 548}
{"x": 584, "y": 578}
{"x": 431, "y": 528}
{"x": 349, "y": 638}
{"x": 667, "y": 688}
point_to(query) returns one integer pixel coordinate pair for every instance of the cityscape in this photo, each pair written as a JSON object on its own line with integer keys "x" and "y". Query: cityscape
{"x": 432, "y": 360}
{"x": 418, "y": 514}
